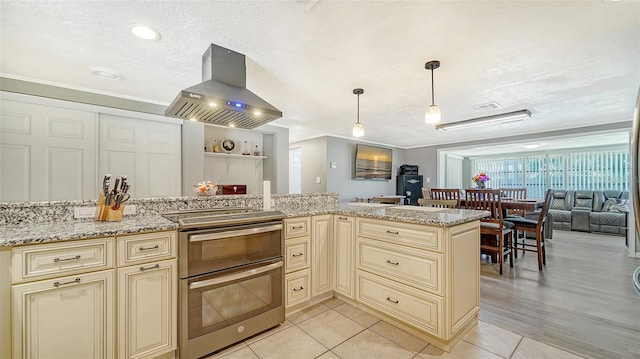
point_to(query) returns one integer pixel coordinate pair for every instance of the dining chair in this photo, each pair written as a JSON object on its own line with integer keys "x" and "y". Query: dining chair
{"x": 536, "y": 226}
{"x": 440, "y": 203}
{"x": 446, "y": 193}
{"x": 390, "y": 200}
{"x": 496, "y": 234}
{"x": 514, "y": 193}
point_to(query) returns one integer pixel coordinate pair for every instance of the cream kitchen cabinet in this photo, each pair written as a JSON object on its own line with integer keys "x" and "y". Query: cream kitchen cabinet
{"x": 68, "y": 316}
{"x": 322, "y": 253}
{"x": 343, "y": 255}
{"x": 308, "y": 260}
{"x": 425, "y": 278}
{"x": 297, "y": 262}
{"x": 147, "y": 295}
{"x": 81, "y": 299}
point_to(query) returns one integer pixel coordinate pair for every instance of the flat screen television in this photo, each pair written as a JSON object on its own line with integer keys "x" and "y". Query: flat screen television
{"x": 373, "y": 163}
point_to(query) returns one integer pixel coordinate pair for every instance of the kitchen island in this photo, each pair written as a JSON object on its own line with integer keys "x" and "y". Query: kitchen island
{"x": 414, "y": 266}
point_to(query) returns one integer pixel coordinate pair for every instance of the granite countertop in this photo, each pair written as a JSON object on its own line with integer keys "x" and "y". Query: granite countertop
{"x": 409, "y": 214}
{"x": 70, "y": 230}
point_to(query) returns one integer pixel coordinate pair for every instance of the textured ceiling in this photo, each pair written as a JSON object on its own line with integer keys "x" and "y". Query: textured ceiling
{"x": 572, "y": 64}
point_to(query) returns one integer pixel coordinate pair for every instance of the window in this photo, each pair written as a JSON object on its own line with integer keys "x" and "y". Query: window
{"x": 590, "y": 170}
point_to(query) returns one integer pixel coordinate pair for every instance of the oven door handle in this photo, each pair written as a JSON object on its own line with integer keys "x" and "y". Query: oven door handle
{"x": 234, "y": 233}
{"x": 235, "y": 276}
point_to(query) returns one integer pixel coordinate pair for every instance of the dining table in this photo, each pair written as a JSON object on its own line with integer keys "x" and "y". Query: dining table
{"x": 527, "y": 204}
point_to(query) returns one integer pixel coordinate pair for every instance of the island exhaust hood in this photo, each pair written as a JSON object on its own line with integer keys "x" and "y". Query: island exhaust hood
{"x": 222, "y": 98}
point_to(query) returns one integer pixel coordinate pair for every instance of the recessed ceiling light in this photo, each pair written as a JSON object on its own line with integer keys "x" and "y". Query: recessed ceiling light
{"x": 105, "y": 73}
{"x": 531, "y": 146}
{"x": 257, "y": 113}
{"x": 194, "y": 119}
{"x": 144, "y": 32}
{"x": 213, "y": 104}
{"x": 232, "y": 125}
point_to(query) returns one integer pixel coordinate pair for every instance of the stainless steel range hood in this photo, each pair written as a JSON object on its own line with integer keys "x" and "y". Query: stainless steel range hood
{"x": 222, "y": 98}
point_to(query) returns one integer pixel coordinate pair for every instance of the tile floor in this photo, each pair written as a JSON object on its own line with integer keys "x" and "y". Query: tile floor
{"x": 335, "y": 329}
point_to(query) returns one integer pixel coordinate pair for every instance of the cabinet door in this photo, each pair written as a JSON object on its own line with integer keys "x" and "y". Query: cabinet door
{"x": 51, "y": 152}
{"x": 68, "y": 317}
{"x": 344, "y": 231}
{"x": 147, "y": 309}
{"x": 321, "y": 271}
{"x": 148, "y": 152}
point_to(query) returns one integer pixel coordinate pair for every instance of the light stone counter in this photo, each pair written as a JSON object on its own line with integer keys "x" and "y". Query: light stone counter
{"x": 39, "y": 222}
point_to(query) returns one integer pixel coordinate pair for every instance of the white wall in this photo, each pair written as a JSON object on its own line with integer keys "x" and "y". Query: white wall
{"x": 319, "y": 153}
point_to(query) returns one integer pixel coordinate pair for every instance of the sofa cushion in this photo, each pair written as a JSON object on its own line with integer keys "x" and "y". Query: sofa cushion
{"x": 583, "y": 199}
{"x": 560, "y": 201}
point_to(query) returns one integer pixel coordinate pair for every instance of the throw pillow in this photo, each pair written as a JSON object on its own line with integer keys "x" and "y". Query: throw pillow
{"x": 616, "y": 205}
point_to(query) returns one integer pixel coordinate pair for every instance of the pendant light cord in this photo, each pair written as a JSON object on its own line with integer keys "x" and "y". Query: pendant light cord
{"x": 432, "y": 93}
{"x": 358, "y": 113}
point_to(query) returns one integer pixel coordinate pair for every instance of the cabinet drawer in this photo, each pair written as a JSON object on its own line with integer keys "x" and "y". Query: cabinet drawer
{"x": 297, "y": 227}
{"x": 296, "y": 254}
{"x": 139, "y": 248}
{"x": 403, "y": 233}
{"x": 298, "y": 287}
{"x": 50, "y": 260}
{"x": 412, "y": 306}
{"x": 419, "y": 268}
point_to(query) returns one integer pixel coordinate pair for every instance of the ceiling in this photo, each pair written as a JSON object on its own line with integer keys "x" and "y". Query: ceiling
{"x": 572, "y": 64}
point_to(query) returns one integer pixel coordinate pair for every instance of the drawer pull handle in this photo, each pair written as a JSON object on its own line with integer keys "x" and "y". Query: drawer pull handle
{"x": 392, "y": 301}
{"x": 56, "y": 260}
{"x": 58, "y": 284}
{"x": 148, "y": 248}
{"x": 343, "y": 218}
{"x": 142, "y": 269}
{"x": 297, "y": 255}
{"x": 298, "y": 289}
{"x": 392, "y": 262}
{"x": 393, "y": 232}
{"x": 296, "y": 227}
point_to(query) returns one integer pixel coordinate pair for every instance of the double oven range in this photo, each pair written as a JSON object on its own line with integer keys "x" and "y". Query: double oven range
{"x": 231, "y": 276}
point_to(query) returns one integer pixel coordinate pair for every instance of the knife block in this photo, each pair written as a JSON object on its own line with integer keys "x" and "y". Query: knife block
{"x": 107, "y": 213}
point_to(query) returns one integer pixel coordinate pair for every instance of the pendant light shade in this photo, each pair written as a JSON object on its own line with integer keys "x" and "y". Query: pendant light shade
{"x": 432, "y": 116}
{"x": 358, "y": 129}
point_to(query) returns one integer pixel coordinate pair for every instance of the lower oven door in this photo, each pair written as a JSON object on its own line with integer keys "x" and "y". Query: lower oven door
{"x": 221, "y": 308}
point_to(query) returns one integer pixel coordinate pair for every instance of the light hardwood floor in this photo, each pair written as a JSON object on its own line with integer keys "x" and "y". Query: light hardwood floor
{"x": 583, "y": 300}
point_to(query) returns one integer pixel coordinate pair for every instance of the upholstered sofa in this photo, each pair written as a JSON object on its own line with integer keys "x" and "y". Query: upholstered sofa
{"x": 590, "y": 211}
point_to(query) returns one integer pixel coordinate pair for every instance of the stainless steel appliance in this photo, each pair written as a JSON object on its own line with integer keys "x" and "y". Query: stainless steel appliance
{"x": 223, "y": 98}
{"x": 231, "y": 276}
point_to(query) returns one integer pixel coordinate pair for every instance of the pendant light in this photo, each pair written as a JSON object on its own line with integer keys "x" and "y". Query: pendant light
{"x": 432, "y": 115}
{"x": 358, "y": 129}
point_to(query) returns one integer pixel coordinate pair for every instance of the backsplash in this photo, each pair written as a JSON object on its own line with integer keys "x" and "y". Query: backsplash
{"x": 13, "y": 213}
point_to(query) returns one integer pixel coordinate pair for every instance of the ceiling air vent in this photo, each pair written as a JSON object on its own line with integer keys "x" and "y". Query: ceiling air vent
{"x": 486, "y": 107}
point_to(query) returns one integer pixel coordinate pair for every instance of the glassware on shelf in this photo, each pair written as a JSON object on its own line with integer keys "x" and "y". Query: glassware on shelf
{"x": 245, "y": 149}
{"x": 256, "y": 152}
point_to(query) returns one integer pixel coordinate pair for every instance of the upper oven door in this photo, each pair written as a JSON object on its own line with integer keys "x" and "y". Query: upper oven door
{"x": 209, "y": 250}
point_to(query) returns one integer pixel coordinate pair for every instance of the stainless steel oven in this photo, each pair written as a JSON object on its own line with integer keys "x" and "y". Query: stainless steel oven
{"x": 231, "y": 276}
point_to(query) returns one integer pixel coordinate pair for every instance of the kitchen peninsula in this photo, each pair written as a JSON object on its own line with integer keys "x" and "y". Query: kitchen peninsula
{"x": 415, "y": 266}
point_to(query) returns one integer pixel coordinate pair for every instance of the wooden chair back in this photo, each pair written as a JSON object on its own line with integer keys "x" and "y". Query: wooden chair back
{"x": 495, "y": 238}
{"x": 524, "y": 226}
{"x": 514, "y": 193}
{"x": 440, "y": 203}
{"x": 485, "y": 200}
{"x": 446, "y": 194}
